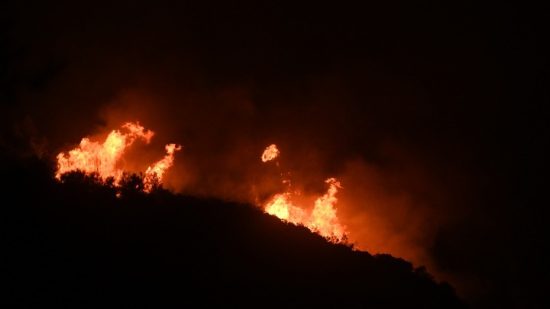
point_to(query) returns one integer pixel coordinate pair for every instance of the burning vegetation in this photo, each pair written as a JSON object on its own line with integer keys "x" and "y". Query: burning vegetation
{"x": 104, "y": 158}
{"x": 320, "y": 219}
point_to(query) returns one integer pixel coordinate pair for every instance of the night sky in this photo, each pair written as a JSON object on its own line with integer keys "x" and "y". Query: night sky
{"x": 433, "y": 116}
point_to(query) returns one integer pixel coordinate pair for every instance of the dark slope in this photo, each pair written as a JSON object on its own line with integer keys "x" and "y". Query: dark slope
{"x": 76, "y": 245}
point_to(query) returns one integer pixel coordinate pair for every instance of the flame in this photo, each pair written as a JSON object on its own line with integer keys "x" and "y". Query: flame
{"x": 322, "y": 219}
{"x": 155, "y": 172}
{"x": 104, "y": 158}
{"x": 101, "y": 158}
{"x": 281, "y": 207}
{"x": 271, "y": 152}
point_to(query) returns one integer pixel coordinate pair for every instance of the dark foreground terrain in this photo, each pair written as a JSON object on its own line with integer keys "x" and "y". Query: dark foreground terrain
{"x": 75, "y": 245}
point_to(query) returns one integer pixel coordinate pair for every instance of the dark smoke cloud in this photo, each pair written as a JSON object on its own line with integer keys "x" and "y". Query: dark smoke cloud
{"x": 406, "y": 109}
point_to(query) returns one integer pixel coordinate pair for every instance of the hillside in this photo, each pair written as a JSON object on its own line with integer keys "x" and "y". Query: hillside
{"x": 76, "y": 245}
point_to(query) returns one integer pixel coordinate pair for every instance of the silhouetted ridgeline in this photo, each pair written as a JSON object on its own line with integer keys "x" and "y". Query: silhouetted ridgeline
{"x": 76, "y": 245}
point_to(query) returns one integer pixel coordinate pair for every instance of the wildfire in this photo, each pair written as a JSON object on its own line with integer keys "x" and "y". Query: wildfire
{"x": 104, "y": 158}
{"x": 322, "y": 219}
{"x": 281, "y": 207}
{"x": 101, "y": 158}
{"x": 271, "y": 152}
{"x": 157, "y": 170}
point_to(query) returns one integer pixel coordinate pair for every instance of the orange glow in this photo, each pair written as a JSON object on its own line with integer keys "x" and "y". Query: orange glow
{"x": 322, "y": 219}
{"x": 104, "y": 158}
{"x": 281, "y": 207}
{"x": 270, "y": 153}
{"x": 157, "y": 170}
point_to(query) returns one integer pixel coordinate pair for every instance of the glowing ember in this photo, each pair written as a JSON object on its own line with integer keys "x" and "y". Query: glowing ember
{"x": 104, "y": 158}
{"x": 322, "y": 219}
{"x": 155, "y": 172}
{"x": 270, "y": 153}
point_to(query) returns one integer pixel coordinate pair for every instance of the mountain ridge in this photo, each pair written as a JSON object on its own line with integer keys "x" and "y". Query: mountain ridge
{"x": 76, "y": 244}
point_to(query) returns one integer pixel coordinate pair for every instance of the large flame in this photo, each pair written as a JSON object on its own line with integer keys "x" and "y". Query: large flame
{"x": 104, "y": 158}
{"x": 101, "y": 158}
{"x": 322, "y": 219}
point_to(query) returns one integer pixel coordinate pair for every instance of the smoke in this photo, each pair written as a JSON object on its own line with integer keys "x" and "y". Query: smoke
{"x": 391, "y": 201}
{"x": 385, "y": 214}
{"x": 225, "y": 87}
{"x": 388, "y": 204}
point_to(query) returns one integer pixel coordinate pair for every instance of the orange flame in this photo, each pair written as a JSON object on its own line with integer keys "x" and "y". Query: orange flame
{"x": 157, "y": 170}
{"x": 281, "y": 207}
{"x": 270, "y": 153}
{"x": 322, "y": 219}
{"x": 103, "y": 158}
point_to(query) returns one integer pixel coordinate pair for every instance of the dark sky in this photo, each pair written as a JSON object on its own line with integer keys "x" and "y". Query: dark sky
{"x": 436, "y": 113}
